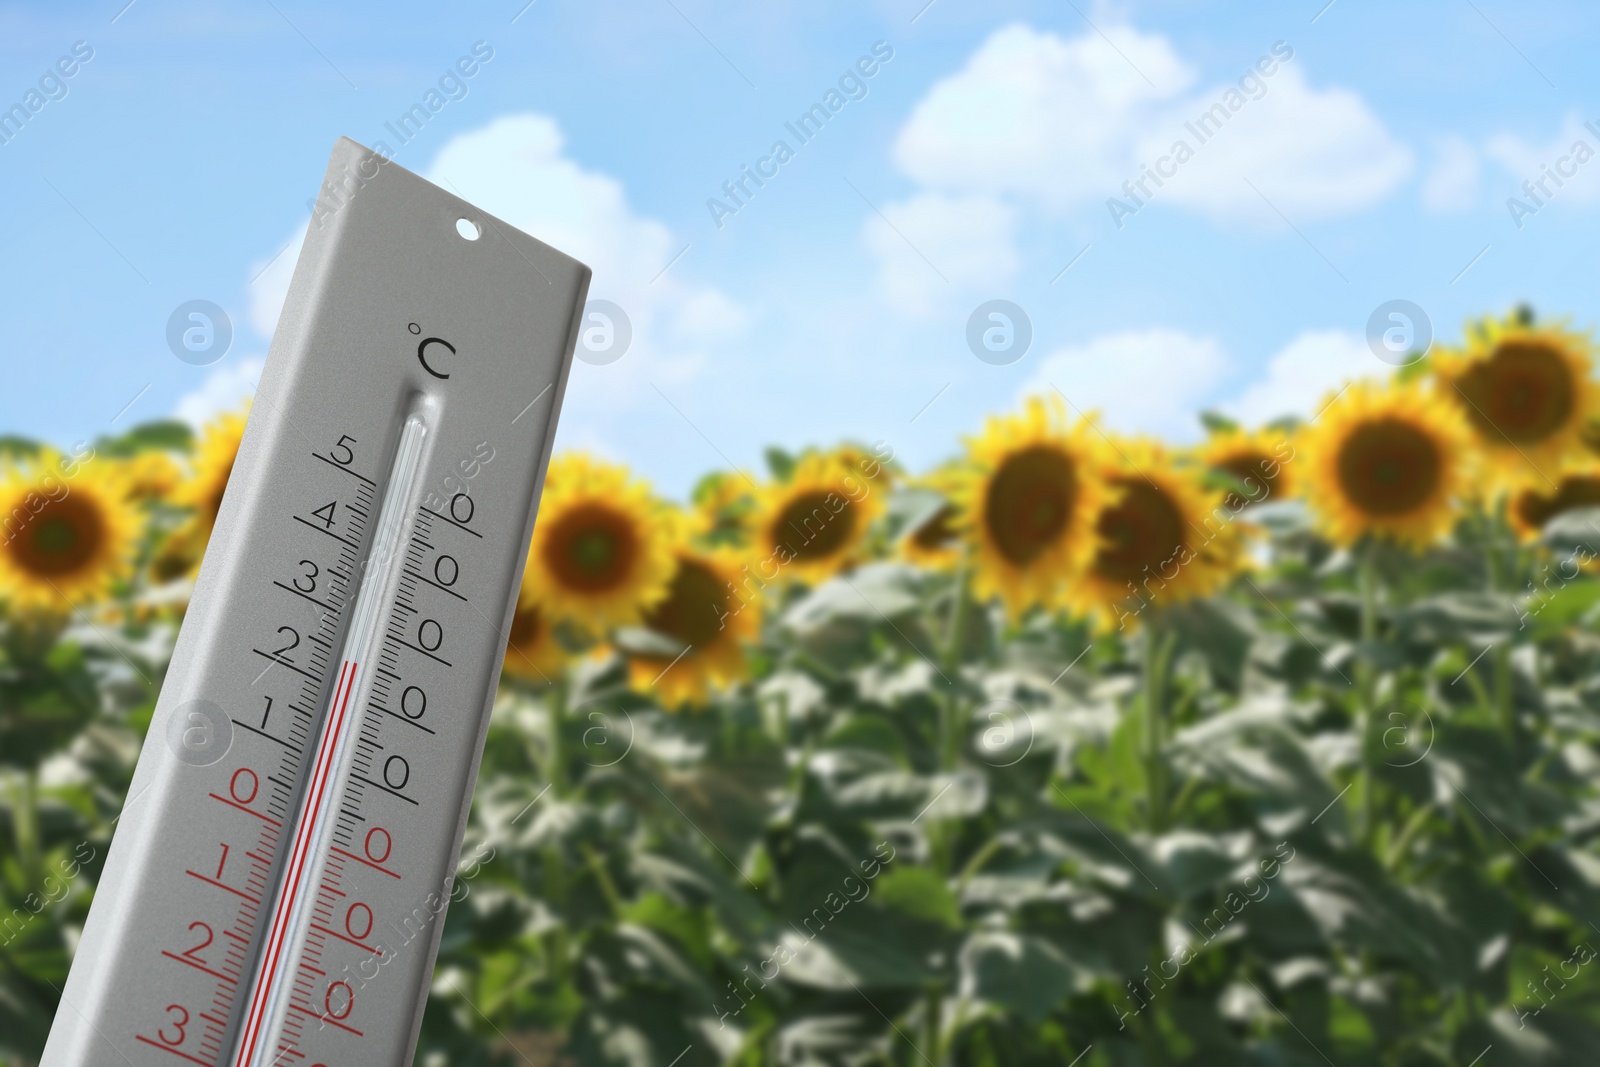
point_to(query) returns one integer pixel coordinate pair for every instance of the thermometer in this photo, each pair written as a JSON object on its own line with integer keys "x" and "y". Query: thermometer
{"x": 277, "y": 885}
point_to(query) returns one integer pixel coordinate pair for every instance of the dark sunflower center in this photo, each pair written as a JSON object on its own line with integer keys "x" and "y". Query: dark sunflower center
{"x": 1388, "y": 467}
{"x": 592, "y": 549}
{"x": 810, "y": 529}
{"x": 1523, "y": 393}
{"x": 61, "y": 539}
{"x": 526, "y": 626}
{"x": 1250, "y": 468}
{"x": 938, "y": 532}
{"x": 1140, "y": 533}
{"x": 694, "y": 606}
{"x": 1029, "y": 503}
{"x": 1579, "y": 491}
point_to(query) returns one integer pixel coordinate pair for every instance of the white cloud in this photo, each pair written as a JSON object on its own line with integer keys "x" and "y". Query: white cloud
{"x": 270, "y": 285}
{"x": 1452, "y": 184}
{"x": 1154, "y": 381}
{"x": 1064, "y": 122}
{"x": 515, "y": 168}
{"x": 1300, "y": 377}
{"x": 1036, "y": 114}
{"x": 225, "y": 389}
{"x": 968, "y": 241}
{"x": 1531, "y": 162}
{"x": 1150, "y": 381}
{"x": 1314, "y": 153}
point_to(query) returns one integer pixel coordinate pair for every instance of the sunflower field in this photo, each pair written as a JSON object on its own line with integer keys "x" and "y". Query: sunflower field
{"x": 1077, "y": 749}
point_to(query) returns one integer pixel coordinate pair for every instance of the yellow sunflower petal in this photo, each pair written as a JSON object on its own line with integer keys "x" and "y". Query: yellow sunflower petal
{"x": 814, "y": 525}
{"x": 936, "y": 543}
{"x": 1260, "y": 460}
{"x": 1527, "y": 395}
{"x": 602, "y": 549}
{"x": 1390, "y": 462}
{"x": 68, "y": 533}
{"x": 213, "y": 463}
{"x": 151, "y": 476}
{"x": 722, "y": 507}
{"x": 1164, "y": 538}
{"x": 532, "y": 650}
{"x": 1028, "y": 497}
{"x": 703, "y": 612}
{"x": 1529, "y": 509}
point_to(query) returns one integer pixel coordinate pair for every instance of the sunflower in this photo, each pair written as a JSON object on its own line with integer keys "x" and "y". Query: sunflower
{"x": 936, "y": 542}
{"x": 703, "y": 613}
{"x": 1386, "y": 461}
{"x": 1028, "y": 498}
{"x": 813, "y": 525}
{"x": 1530, "y": 509}
{"x": 602, "y": 547}
{"x": 1164, "y": 538}
{"x": 67, "y": 541}
{"x": 864, "y": 463}
{"x": 723, "y": 502}
{"x": 151, "y": 476}
{"x": 218, "y": 448}
{"x": 532, "y": 651}
{"x": 1260, "y": 461}
{"x": 1527, "y": 395}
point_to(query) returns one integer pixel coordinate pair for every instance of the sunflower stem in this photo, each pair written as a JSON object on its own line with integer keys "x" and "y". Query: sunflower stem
{"x": 951, "y": 712}
{"x": 952, "y": 727}
{"x": 1502, "y": 693}
{"x": 553, "y": 861}
{"x": 1158, "y": 644}
{"x": 1367, "y": 681}
{"x": 933, "y": 1010}
{"x": 1503, "y": 578}
{"x": 597, "y": 864}
{"x": 25, "y": 827}
{"x": 556, "y": 772}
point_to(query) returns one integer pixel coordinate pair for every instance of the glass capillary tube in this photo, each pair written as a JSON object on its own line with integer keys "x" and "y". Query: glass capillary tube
{"x": 291, "y": 913}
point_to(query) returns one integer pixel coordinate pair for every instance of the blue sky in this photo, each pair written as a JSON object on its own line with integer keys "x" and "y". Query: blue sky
{"x": 1374, "y": 164}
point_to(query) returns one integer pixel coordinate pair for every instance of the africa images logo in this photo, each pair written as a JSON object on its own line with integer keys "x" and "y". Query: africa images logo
{"x": 1203, "y": 128}
{"x": 52, "y": 86}
{"x": 852, "y": 86}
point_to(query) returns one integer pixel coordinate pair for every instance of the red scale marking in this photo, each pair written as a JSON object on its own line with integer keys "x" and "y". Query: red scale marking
{"x": 369, "y": 863}
{"x": 349, "y": 940}
{"x": 164, "y": 1047}
{"x": 199, "y": 967}
{"x": 248, "y": 810}
{"x": 219, "y": 885}
{"x": 297, "y": 864}
{"x": 320, "y": 1017}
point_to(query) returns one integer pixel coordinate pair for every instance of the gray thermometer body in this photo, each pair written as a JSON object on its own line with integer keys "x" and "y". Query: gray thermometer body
{"x": 276, "y": 888}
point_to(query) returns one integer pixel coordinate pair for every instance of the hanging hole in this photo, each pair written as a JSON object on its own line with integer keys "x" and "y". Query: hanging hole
{"x": 468, "y": 229}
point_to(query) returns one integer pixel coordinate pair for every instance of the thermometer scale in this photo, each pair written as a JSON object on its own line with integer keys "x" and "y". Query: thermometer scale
{"x": 276, "y": 888}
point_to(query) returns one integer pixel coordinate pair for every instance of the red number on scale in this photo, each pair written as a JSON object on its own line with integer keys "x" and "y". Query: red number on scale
{"x": 378, "y": 838}
{"x": 177, "y": 1024}
{"x": 345, "y": 1000}
{"x": 252, "y": 783}
{"x": 209, "y": 938}
{"x": 223, "y": 862}
{"x": 358, "y": 915}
